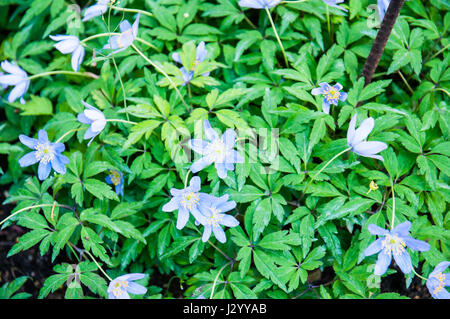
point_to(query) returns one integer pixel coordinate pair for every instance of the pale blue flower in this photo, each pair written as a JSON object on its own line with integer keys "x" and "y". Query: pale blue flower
{"x": 355, "y": 139}
{"x": 200, "y": 56}
{"x": 3, "y": 86}
{"x": 120, "y": 287}
{"x": 437, "y": 281}
{"x": 382, "y": 7}
{"x": 96, "y": 10}
{"x": 18, "y": 78}
{"x": 334, "y": 3}
{"x": 125, "y": 39}
{"x": 218, "y": 151}
{"x": 48, "y": 155}
{"x": 70, "y": 44}
{"x": 258, "y": 4}
{"x": 94, "y": 118}
{"x": 332, "y": 95}
{"x": 115, "y": 178}
{"x": 187, "y": 200}
{"x": 393, "y": 243}
{"x": 213, "y": 210}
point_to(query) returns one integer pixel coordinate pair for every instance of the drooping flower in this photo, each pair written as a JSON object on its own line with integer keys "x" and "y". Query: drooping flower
{"x": 214, "y": 210}
{"x": 393, "y": 243}
{"x": 70, "y": 44}
{"x": 96, "y": 10}
{"x": 48, "y": 155}
{"x": 355, "y": 139}
{"x": 18, "y": 78}
{"x": 382, "y": 7}
{"x": 218, "y": 151}
{"x": 332, "y": 95}
{"x": 94, "y": 118}
{"x": 125, "y": 39}
{"x": 437, "y": 281}
{"x": 187, "y": 200}
{"x": 200, "y": 56}
{"x": 120, "y": 287}
{"x": 115, "y": 178}
{"x": 334, "y": 3}
{"x": 259, "y": 4}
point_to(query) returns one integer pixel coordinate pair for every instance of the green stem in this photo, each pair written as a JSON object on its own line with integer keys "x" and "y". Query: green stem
{"x": 87, "y": 74}
{"x": 406, "y": 82}
{"x": 109, "y": 34}
{"x": 31, "y": 207}
{"x": 278, "y": 38}
{"x": 186, "y": 178}
{"x": 217, "y": 277}
{"x": 132, "y": 10}
{"x": 328, "y": 163}
{"x": 98, "y": 266}
{"x": 121, "y": 121}
{"x": 163, "y": 73}
{"x": 67, "y": 133}
{"x": 440, "y": 51}
{"x": 393, "y": 206}
{"x": 419, "y": 275}
{"x": 328, "y": 21}
{"x": 249, "y": 21}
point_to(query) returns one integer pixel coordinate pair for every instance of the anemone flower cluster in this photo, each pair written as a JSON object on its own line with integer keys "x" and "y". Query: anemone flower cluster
{"x": 125, "y": 38}
{"x": 70, "y": 44}
{"x": 217, "y": 150}
{"x": 48, "y": 155}
{"x": 200, "y": 56}
{"x": 122, "y": 286}
{"x": 393, "y": 243}
{"x": 15, "y": 77}
{"x": 356, "y": 137}
{"x": 437, "y": 281}
{"x": 332, "y": 95}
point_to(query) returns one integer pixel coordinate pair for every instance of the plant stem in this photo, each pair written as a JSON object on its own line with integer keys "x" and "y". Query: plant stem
{"x": 109, "y": 34}
{"x": 328, "y": 163}
{"x": 122, "y": 121}
{"x": 393, "y": 206}
{"x": 87, "y": 74}
{"x": 217, "y": 277}
{"x": 406, "y": 82}
{"x": 276, "y": 35}
{"x": 31, "y": 207}
{"x": 380, "y": 41}
{"x": 328, "y": 21}
{"x": 249, "y": 21}
{"x": 132, "y": 10}
{"x": 98, "y": 266}
{"x": 67, "y": 133}
{"x": 419, "y": 275}
{"x": 163, "y": 73}
{"x": 186, "y": 178}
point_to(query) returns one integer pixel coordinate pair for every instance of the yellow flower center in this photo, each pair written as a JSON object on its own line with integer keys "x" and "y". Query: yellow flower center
{"x": 441, "y": 278}
{"x": 190, "y": 200}
{"x": 393, "y": 244}
{"x": 214, "y": 219}
{"x": 115, "y": 177}
{"x": 45, "y": 152}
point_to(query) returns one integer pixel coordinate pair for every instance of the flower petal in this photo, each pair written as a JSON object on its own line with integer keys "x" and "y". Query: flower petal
{"x": 183, "y": 217}
{"x": 28, "y": 141}
{"x": 369, "y": 148}
{"x": 363, "y": 131}
{"x": 403, "y": 260}
{"x": 206, "y": 233}
{"x": 415, "y": 244}
{"x": 376, "y": 230}
{"x": 44, "y": 170}
{"x": 229, "y": 221}
{"x": 28, "y": 159}
{"x": 219, "y": 234}
{"x": 200, "y": 164}
{"x": 172, "y": 205}
{"x": 383, "y": 262}
{"x": 374, "y": 247}
{"x": 136, "y": 289}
